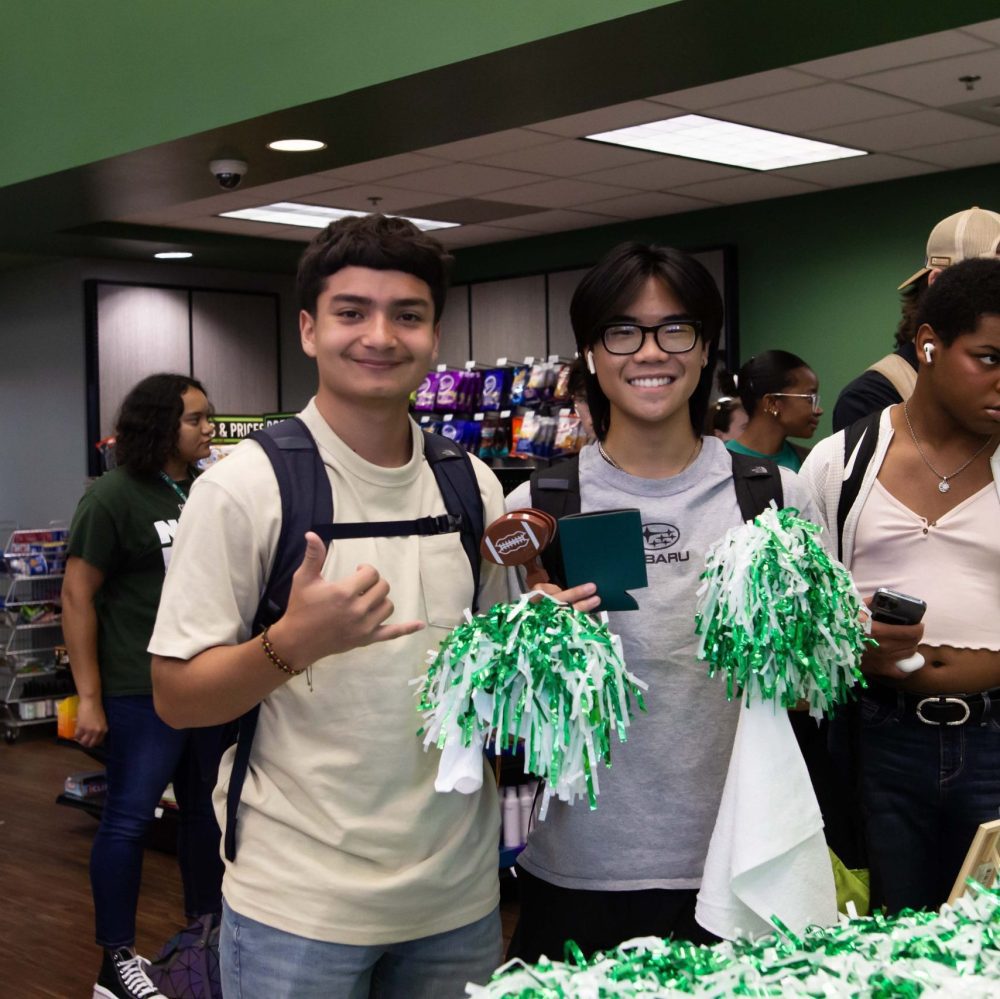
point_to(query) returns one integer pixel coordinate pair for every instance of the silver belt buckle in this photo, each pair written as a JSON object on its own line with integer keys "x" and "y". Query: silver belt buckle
{"x": 944, "y": 700}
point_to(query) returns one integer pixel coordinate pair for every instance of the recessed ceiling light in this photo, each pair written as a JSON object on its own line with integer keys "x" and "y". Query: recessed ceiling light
{"x": 700, "y": 138}
{"x": 173, "y": 255}
{"x": 296, "y": 145}
{"x": 317, "y": 216}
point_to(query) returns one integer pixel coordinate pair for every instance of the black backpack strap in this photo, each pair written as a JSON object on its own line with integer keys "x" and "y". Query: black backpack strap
{"x": 459, "y": 487}
{"x": 757, "y": 481}
{"x": 556, "y": 490}
{"x": 306, "y": 502}
{"x": 860, "y": 441}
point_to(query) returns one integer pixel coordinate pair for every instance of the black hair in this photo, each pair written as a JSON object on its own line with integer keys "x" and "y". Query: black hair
{"x": 577, "y": 381}
{"x": 380, "y": 243}
{"x": 960, "y": 297}
{"x": 720, "y": 416}
{"x": 909, "y": 304}
{"x": 772, "y": 371}
{"x": 149, "y": 420}
{"x": 613, "y": 283}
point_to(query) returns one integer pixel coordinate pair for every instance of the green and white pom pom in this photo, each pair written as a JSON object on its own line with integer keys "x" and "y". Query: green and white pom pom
{"x": 540, "y": 671}
{"x": 779, "y": 616}
{"x": 954, "y": 954}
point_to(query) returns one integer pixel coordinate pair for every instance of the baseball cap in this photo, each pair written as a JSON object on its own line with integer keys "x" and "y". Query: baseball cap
{"x": 962, "y": 236}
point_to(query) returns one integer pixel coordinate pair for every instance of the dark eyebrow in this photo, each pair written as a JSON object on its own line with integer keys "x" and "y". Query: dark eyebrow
{"x": 682, "y": 318}
{"x": 395, "y": 303}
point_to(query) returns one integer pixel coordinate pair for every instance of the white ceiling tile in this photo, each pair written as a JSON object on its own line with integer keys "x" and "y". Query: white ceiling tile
{"x": 560, "y": 220}
{"x": 857, "y": 170}
{"x": 648, "y": 204}
{"x": 811, "y": 108}
{"x": 741, "y": 88}
{"x": 749, "y": 187}
{"x": 954, "y": 155}
{"x": 905, "y": 131}
{"x": 461, "y": 179}
{"x": 937, "y": 84}
{"x": 568, "y": 158}
{"x": 563, "y": 193}
{"x": 388, "y": 166}
{"x": 602, "y": 119}
{"x": 244, "y": 227}
{"x": 288, "y": 189}
{"x": 663, "y": 173}
{"x": 490, "y": 145}
{"x": 990, "y": 30}
{"x": 893, "y": 54}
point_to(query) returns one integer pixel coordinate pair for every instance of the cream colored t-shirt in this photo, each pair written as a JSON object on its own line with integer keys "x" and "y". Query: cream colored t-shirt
{"x": 341, "y": 835}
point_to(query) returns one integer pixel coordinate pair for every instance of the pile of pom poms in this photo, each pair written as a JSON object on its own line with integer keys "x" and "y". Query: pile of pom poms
{"x": 540, "y": 671}
{"x": 778, "y": 616}
{"x": 953, "y": 954}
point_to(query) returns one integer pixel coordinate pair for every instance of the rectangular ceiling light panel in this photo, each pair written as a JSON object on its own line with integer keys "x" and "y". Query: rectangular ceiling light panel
{"x": 316, "y": 216}
{"x": 701, "y": 138}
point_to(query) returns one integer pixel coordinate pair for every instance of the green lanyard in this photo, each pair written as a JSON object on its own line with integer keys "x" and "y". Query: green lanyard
{"x": 176, "y": 488}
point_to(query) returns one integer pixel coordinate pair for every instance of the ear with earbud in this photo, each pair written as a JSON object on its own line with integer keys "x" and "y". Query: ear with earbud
{"x": 591, "y": 367}
{"x": 929, "y": 352}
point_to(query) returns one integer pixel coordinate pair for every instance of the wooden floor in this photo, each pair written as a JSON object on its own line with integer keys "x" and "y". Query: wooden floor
{"x": 46, "y": 915}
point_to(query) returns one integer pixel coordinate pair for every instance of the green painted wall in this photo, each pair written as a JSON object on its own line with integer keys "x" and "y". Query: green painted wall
{"x": 817, "y": 273}
{"x": 82, "y": 81}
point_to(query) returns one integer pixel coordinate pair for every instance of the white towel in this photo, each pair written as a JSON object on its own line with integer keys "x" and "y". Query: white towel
{"x": 767, "y": 856}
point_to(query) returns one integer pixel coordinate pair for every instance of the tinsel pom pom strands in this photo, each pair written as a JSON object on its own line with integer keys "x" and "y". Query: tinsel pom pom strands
{"x": 535, "y": 670}
{"x": 954, "y": 954}
{"x": 778, "y": 616}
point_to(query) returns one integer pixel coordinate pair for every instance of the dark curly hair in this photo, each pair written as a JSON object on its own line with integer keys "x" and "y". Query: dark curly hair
{"x": 611, "y": 284}
{"x": 148, "y": 421}
{"x": 909, "y": 305}
{"x": 378, "y": 242}
{"x": 960, "y": 297}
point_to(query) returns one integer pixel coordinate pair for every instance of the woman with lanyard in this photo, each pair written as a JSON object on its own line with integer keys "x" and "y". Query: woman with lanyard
{"x": 780, "y": 394}
{"x": 647, "y": 321}
{"x": 925, "y": 521}
{"x": 119, "y": 547}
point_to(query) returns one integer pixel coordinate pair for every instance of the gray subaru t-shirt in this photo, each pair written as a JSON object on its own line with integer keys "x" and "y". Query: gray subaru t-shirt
{"x": 657, "y": 805}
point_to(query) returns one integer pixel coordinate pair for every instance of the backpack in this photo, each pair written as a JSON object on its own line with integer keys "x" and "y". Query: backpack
{"x": 188, "y": 965}
{"x": 307, "y": 505}
{"x": 556, "y": 490}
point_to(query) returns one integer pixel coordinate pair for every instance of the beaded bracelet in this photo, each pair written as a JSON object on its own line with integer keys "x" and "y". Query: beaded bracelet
{"x": 275, "y": 658}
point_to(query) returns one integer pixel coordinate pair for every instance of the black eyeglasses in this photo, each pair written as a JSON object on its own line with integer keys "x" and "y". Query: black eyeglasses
{"x": 671, "y": 338}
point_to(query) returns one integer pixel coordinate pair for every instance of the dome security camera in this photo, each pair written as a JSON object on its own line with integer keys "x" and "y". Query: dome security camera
{"x": 228, "y": 173}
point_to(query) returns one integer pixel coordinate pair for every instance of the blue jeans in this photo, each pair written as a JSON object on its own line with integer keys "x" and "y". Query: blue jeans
{"x": 925, "y": 789}
{"x": 143, "y": 755}
{"x": 261, "y": 962}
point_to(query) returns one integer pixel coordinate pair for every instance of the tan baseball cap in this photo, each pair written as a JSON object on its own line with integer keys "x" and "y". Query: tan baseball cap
{"x": 962, "y": 236}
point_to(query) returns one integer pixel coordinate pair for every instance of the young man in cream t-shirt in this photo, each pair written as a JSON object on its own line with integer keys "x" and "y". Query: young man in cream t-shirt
{"x": 353, "y": 876}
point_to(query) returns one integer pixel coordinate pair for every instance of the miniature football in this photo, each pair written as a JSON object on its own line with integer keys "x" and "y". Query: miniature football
{"x": 518, "y": 538}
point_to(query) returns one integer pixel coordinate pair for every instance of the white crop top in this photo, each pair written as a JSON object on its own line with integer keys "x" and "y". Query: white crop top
{"x": 952, "y": 563}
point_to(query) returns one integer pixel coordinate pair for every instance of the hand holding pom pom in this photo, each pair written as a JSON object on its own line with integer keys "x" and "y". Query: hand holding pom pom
{"x": 537, "y": 670}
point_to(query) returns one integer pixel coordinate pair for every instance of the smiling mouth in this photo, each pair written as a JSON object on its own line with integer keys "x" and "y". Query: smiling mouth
{"x": 647, "y": 382}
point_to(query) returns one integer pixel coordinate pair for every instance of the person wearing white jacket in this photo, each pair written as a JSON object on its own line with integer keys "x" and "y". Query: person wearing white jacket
{"x": 926, "y": 521}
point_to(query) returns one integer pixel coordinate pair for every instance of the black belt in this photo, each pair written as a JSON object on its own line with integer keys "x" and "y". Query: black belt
{"x": 939, "y": 709}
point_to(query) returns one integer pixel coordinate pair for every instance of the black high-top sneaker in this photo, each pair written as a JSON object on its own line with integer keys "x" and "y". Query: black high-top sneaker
{"x": 123, "y": 976}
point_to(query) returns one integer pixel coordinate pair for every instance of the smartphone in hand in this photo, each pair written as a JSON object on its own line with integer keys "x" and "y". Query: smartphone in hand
{"x": 892, "y": 607}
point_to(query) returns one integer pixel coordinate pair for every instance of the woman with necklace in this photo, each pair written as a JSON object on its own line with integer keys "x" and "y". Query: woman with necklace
{"x": 926, "y": 522}
{"x": 120, "y": 542}
{"x": 647, "y": 321}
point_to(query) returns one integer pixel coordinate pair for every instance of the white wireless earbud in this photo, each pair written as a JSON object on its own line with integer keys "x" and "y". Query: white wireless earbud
{"x": 928, "y": 350}
{"x": 590, "y": 362}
